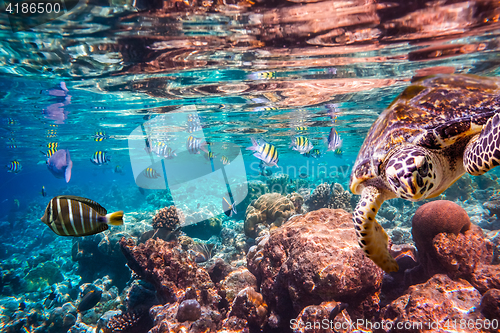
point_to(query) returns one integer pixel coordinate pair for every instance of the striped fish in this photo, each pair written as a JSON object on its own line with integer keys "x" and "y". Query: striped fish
{"x": 301, "y": 128}
{"x": 224, "y": 160}
{"x": 100, "y": 158}
{"x": 151, "y": 173}
{"x": 265, "y": 152}
{"x": 338, "y": 151}
{"x": 50, "y": 152}
{"x": 316, "y": 153}
{"x": 14, "y": 166}
{"x": 210, "y": 156}
{"x": 301, "y": 144}
{"x": 100, "y": 136}
{"x": 334, "y": 140}
{"x": 262, "y": 75}
{"x": 228, "y": 209}
{"x": 69, "y": 215}
{"x": 194, "y": 145}
{"x": 52, "y": 145}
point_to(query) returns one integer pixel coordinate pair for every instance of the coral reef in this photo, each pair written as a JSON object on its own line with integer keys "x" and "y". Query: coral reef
{"x": 320, "y": 197}
{"x": 129, "y": 322}
{"x": 270, "y": 209}
{"x": 432, "y": 218}
{"x": 166, "y": 221}
{"x": 249, "y": 305}
{"x": 278, "y": 183}
{"x": 332, "y": 196}
{"x": 297, "y": 201}
{"x": 313, "y": 258}
{"x": 444, "y": 299}
{"x": 340, "y": 198}
{"x": 176, "y": 278}
{"x": 333, "y": 312}
{"x": 236, "y": 281}
{"x": 43, "y": 276}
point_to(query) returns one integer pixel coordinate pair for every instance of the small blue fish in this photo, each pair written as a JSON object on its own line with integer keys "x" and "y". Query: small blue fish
{"x": 151, "y": 173}
{"x": 228, "y": 209}
{"x": 100, "y": 158}
{"x": 100, "y": 136}
{"x": 60, "y": 164}
{"x": 14, "y": 166}
{"x": 44, "y": 193}
{"x": 265, "y": 152}
{"x": 334, "y": 140}
{"x": 301, "y": 144}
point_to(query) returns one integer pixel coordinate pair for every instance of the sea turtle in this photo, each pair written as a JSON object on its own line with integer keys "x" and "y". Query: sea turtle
{"x": 439, "y": 128}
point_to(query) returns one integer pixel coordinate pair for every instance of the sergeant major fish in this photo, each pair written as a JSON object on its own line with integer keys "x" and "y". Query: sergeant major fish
{"x": 100, "y": 158}
{"x": 14, "y": 166}
{"x": 68, "y": 215}
{"x": 301, "y": 144}
{"x": 265, "y": 152}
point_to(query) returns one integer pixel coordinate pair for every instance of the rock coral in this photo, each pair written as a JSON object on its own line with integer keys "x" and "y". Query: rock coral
{"x": 168, "y": 219}
{"x": 320, "y": 197}
{"x": 43, "y": 276}
{"x": 129, "y": 322}
{"x": 176, "y": 278}
{"x": 490, "y": 304}
{"x": 443, "y": 298}
{"x": 297, "y": 200}
{"x": 431, "y": 219}
{"x": 313, "y": 258}
{"x": 236, "y": 281}
{"x": 305, "y": 321}
{"x": 250, "y": 306}
{"x": 277, "y": 183}
{"x": 270, "y": 209}
{"x": 340, "y": 198}
{"x": 189, "y": 309}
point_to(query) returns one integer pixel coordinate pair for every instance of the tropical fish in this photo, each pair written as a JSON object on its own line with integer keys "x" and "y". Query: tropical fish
{"x": 69, "y": 215}
{"x": 89, "y": 300}
{"x": 60, "y": 164}
{"x": 14, "y": 166}
{"x": 44, "y": 193}
{"x": 118, "y": 169}
{"x": 332, "y": 111}
{"x": 195, "y": 144}
{"x": 51, "y": 145}
{"x": 264, "y": 170}
{"x": 315, "y": 153}
{"x": 49, "y": 152}
{"x": 51, "y": 133}
{"x": 11, "y": 121}
{"x": 301, "y": 128}
{"x": 63, "y": 91}
{"x": 338, "y": 151}
{"x": 265, "y": 152}
{"x": 301, "y": 144}
{"x": 262, "y": 75}
{"x": 264, "y": 108}
{"x": 194, "y": 123}
{"x": 163, "y": 150}
{"x": 334, "y": 141}
{"x": 210, "y": 156}
{"x": 56, "y": 112}
{"x": 224, "y": 160}
{"x": 228, "y": 209}
{"x": 100, "y": 158}
{"x": 151, "y": 173}
{"x": 100, "y": 136}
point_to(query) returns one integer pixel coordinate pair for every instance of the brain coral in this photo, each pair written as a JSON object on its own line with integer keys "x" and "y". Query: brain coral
{"x": 169, "y": 218}
{"x": 269, "y": 209}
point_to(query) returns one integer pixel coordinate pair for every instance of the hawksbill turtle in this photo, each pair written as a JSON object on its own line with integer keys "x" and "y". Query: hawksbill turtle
{"x": 439, "y": 128}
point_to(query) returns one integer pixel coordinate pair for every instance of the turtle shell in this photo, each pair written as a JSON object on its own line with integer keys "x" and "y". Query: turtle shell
{"x": 434, "y": 112}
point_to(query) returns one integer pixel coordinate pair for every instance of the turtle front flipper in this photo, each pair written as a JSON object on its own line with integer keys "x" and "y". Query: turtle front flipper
{"x": 371, "y": 236}
{"x": 483, "y": 151}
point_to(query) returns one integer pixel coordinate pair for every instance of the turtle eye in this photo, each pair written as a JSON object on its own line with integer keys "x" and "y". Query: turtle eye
{"x": 423, "y": 170}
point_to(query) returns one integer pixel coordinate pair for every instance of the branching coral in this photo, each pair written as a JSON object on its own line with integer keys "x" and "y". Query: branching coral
{"x": 169, "y": 218}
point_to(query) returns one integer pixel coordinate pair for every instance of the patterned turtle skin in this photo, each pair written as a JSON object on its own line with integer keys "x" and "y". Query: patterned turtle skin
{"x": 439, "y": 128}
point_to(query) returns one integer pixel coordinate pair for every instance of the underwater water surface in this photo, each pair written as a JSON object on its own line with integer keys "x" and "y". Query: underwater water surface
{"x": 144, "y": 105}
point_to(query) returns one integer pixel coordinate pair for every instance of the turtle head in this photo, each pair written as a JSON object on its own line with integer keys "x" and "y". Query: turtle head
{"x": 410, "y": 173}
